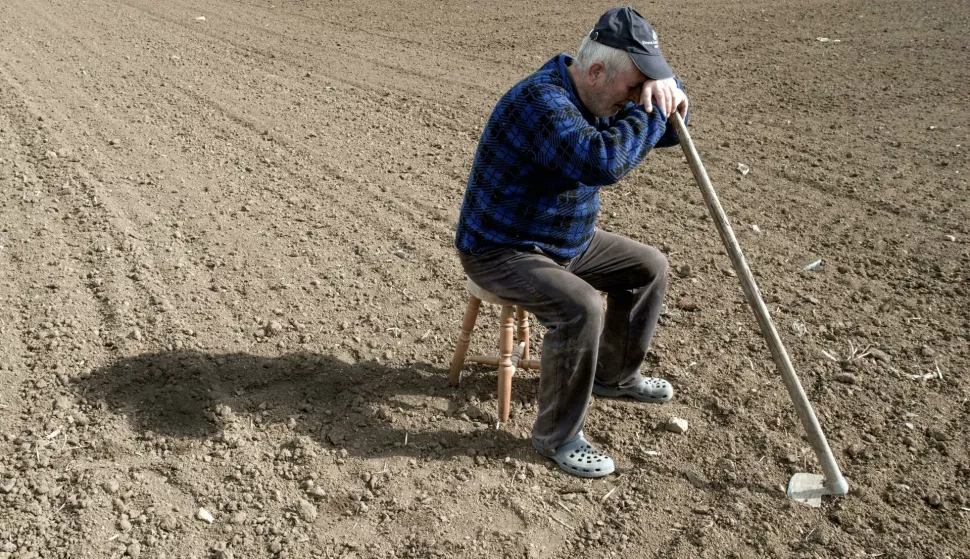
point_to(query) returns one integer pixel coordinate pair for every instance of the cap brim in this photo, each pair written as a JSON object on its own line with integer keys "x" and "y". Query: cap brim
{"x": 652, "y": 65}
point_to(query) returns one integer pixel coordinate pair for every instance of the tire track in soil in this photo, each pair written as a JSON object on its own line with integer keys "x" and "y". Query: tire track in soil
{"x": 43, "y": 185}
{"x": 408, "y": 313}
{"x": 375, "y": 94}
{"x": 351, "y": 210}
{"x": 109, "y": 230}
{"x": 248, "y": 123}
{"x": 51, "y": 309}
{"x": 432, "y": 86}
{"x": 54, "y": 320}
{"x": 62, "y": 328}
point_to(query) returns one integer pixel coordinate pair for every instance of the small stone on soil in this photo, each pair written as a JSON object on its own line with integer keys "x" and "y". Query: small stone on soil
{"x": 306, "y": 510}
{"x": 846, "y": 378}
{"x": 697, "y": 479}
{"x": 205, "y": 516}
{"x": 687, "y": 305}
{"x": 676, "y": 425}
{"x": 937, "y": 434}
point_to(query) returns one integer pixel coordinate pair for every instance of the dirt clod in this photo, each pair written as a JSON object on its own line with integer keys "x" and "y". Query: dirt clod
{"x": 676, "y": 425}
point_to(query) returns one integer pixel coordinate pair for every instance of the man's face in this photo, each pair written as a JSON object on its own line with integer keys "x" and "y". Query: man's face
{"x": 606, "y": 99}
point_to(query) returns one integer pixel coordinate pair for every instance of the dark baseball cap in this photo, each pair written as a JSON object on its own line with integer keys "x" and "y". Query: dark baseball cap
{"x": 627, "y": 30}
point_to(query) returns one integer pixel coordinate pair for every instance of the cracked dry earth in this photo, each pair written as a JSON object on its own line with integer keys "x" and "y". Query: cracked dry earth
{"x": 228, "y": 295}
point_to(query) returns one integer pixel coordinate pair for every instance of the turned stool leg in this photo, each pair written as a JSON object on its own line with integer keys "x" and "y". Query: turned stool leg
{"x": 505, "y": 367}
{"x": 523, "y": 335}
{"x": 467, "y": 325}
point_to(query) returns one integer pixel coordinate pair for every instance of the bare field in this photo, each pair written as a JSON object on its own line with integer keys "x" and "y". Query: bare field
{"x": 227, "y": 282}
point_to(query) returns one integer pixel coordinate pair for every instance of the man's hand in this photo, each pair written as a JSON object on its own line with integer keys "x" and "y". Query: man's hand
{"x": 666, "y": 95}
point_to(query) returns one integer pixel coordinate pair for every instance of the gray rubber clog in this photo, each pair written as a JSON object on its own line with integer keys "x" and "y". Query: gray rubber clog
{"x": 579, "y": 458}
{"x": 652, "y": 390}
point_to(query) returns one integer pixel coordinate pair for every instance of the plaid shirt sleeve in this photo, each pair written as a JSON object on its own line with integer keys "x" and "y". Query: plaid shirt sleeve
{"x": 582, "y": 152}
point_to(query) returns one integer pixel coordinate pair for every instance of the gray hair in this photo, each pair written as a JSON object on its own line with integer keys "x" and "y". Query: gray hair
{"x": 615, "y": 61}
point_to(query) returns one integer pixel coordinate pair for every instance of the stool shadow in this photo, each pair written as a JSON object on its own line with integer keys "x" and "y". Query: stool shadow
{"x": 367, "y": 408}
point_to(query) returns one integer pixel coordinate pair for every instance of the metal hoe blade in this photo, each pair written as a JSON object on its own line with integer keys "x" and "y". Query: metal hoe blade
{"x": 805, "y": 488}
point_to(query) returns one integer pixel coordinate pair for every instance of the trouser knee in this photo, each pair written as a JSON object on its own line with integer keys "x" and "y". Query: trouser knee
{"x": 654, "y": 262}
{"x": 585, "y": 310}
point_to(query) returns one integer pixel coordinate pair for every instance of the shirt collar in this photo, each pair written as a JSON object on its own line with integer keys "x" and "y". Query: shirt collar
{"x": 565, "y": 61}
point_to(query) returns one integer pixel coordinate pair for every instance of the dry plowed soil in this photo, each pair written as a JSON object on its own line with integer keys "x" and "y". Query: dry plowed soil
{"x": 229, "y": 297}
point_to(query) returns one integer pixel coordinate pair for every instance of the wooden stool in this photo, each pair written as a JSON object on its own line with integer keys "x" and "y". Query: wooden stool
{"x": 511, "y": 355}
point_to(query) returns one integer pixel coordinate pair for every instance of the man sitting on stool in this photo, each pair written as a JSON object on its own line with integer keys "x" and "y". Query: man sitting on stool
{"x": 527, "y": 226}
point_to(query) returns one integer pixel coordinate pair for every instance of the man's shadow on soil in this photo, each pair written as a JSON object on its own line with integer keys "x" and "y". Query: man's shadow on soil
{"x": 367, "y": 408}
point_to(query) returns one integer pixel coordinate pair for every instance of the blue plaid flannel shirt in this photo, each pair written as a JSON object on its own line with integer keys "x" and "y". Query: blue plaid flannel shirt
{"x": 541, "y": 161}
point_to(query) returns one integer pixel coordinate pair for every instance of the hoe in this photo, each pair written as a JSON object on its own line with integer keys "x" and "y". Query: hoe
{"x": 807, "y": 488}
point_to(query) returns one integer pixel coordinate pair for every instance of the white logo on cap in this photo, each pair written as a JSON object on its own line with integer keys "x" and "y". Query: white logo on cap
{"x": 653, "y": 43}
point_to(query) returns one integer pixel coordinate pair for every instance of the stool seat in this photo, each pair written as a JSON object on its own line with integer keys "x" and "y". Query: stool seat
{"x": 487, "y": 296}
